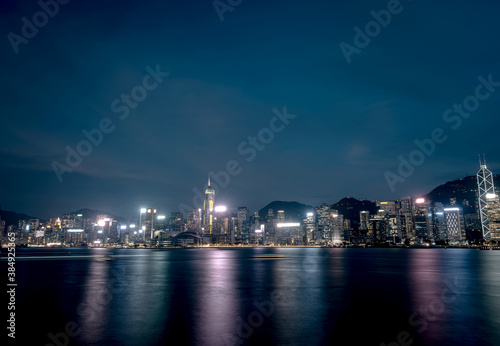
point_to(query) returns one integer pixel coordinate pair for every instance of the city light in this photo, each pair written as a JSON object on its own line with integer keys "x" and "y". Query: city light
{"x": 99, "y": 231}
{"x": 75, "y": 230}
{"x": 420, "y": 200}
{"x": 288, "y": 224}
{"x": 107, "y": 219}
{"x": 132, "y": 225}
{"x": 123, "y": 227}
{"x": 161, "y": 217}
{"x": 101, "y": 223}
{"x": 258, "y": 231}
{"x": 310, "y": 214}
{"x": 220, "y": 208}
{"x": 97, "y": 242}
{"x": 143, "y": 210}
{"x": 490, "y": 195}
{"x": 451, "y": 209}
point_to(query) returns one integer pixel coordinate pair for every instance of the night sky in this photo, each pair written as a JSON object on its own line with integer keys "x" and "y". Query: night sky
{"x": 352, "y": 120}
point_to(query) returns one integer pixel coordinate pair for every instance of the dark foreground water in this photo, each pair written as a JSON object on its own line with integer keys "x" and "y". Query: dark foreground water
{"x": 309, "y": 296}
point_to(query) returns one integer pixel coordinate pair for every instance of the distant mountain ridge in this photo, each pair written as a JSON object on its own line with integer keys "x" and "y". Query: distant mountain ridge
{"x": 294, "y": 211}
{"x": 461, "y": 189}
{"x": 13, "y": 218}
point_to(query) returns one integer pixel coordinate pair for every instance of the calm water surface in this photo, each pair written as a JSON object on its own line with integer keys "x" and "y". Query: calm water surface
{"x": 264, "y": 296}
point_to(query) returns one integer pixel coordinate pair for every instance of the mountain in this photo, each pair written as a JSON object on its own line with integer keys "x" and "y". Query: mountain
{"x": 350, "y": 208}
{"x": 461, "y": 189}
{"x": 294, "y": 211}
{"x": 12, "y": 218}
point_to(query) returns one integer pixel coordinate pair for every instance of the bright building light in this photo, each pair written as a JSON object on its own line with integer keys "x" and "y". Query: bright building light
{"x": 220, "y": 208}
{"x": 288, "y": 224}
{"x": 161, "y": 217}
{"x": 132, "y": 226}
{"x": 101, "y": 223}
{"x": 99, "y": 231}
{"x": 420, "y": 200}
{"x": 490, "y": 195}
{"x": 258, "y": 231}
{"x": 75, "y": 230}
{"x": 107, "y": 219}
{"x": 439, "y": 213}
{"x": 97, "y": 242}
{"x": 383, "y": 202}
{"x": 123, "y": 227}
{"x": 451, "y": 209}
{"x": 143, "y": 228}
{"x": 143, "y": 210}
{"x": 310, "y": 214}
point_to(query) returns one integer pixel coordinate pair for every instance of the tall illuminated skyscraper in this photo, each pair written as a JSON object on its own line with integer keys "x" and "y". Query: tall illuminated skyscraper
{"x": 208, "y": 209}
{"x": 486, "y": 193}
{"x": 150, "y": 223}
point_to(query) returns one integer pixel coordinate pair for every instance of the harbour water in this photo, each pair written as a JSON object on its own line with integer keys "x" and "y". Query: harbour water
{"x": 261, "y": 296}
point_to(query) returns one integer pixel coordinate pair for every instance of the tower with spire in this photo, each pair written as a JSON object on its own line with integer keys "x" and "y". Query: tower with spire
{"x": 489, "y": 208}
{"x": 208, "y": 209}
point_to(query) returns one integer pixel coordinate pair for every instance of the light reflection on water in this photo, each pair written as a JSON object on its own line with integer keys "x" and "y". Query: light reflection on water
{"x": 310, "y": 296}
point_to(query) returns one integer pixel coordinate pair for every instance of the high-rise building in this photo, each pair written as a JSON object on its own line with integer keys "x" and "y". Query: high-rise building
{"x": 208, "y": 209}
{"x": 243, "y": 226}
{"x": 176, "y": 222}
{"x": 337, "y": 227}
{"x": 493, "y": 209}
{"x": 193, "y": 221}
{"x": 455, "y": 225}
{"x": 422, "y": 219}
{"x": 486, "y": 193}
{"x": 149, "y": 223}
{"x": 309, "y": 225}
{"x": 439, "y": 222}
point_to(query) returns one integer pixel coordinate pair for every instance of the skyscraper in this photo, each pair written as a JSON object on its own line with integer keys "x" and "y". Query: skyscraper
{"x": 486, "y": 193}
{"x": 208, "y": 209}
{"x": 243, "y": 225}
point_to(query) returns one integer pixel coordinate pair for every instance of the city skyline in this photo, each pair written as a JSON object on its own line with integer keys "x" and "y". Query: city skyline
{"x": 353, "y": 119}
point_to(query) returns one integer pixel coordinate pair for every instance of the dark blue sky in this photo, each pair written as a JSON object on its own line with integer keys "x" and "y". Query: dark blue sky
{"x": 353, "y": 119}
